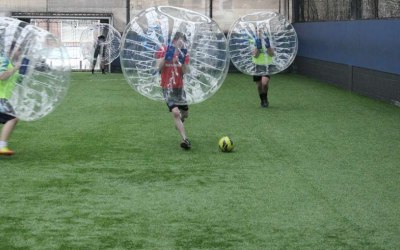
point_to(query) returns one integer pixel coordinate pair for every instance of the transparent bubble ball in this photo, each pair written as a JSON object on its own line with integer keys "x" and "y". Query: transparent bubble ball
{"x": 101, "y": 41}
{"x": 43, "y": 79}
{"x": 151, "y": 31}
{"x": 242, "y": 43}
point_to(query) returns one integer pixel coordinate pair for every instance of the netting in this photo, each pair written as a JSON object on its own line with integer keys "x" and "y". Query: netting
{"x": 327, "y": 10}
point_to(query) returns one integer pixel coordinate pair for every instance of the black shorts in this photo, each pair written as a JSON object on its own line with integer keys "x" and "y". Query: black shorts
{"x": 5, "y": 118}
{"x": 6, "y": 111}
{"x": 175, "y": 98}
{"x": 258, "y": 78}
{"x": 180, "y": 107}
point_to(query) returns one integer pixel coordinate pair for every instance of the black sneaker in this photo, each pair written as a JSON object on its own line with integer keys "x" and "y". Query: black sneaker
{"x": 185, "y": 144}
{"x": 92, "y": 71}
{"x": 264, "y": 103}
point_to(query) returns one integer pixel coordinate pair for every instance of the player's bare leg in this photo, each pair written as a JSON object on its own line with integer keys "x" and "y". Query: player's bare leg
{"x": 262, "y": 87}
{"x": 5, "y": 135}
{"x": 177, "y": 116}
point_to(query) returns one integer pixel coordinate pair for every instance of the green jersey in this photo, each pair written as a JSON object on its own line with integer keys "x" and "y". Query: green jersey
{"x": 7, "y": 85}
{"x": 263, "y": 58}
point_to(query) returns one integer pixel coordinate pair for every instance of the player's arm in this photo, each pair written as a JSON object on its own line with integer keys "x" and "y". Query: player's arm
{"x": 270, "y": 51}
{"x": 183, "y": 59}
{"x": 258, "y": 44}
{"x": 160, "y": 63}
{"x": 9, "y": 72}
{"x": 168, "y": 56}
{"x": 258, "y": 47}
{"x": 160, "y": 55}
{"x": 185, "y": 69}
{"x": 256, "y": 52}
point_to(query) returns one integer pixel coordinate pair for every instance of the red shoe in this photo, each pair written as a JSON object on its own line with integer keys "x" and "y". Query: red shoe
{"x": 6, "y": 151}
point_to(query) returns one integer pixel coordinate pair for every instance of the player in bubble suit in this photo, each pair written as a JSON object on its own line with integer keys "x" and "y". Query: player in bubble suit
{"x": 260, "y": 58}
{"x": 173, "y": 64}
{"x": 9, "y": 75}
{"x": 99, "y": 50}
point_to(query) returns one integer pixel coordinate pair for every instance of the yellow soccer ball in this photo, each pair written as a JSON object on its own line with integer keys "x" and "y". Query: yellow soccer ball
{"x": 225, "y": 144}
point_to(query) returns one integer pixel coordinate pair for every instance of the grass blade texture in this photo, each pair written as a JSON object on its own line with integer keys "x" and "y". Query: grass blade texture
{"x": 318, "y": 169}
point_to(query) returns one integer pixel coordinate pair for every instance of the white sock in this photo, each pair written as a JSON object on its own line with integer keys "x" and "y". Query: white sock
{"x": 3, "y": 144}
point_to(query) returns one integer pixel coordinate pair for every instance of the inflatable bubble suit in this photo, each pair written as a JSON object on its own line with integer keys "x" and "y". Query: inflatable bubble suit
{"x": 43, "y": 77}
{"x": 262, "y": 25}
{"x": 100, "y": 40}
{"x": 151, "y": 31}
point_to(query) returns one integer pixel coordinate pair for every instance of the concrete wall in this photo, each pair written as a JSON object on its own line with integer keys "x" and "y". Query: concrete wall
{"x": 116, "y": 7}
{"x": 224, "y": 12}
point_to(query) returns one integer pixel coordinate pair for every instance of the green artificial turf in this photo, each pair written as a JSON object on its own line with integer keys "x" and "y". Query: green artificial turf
{"x": 318, "y": 169}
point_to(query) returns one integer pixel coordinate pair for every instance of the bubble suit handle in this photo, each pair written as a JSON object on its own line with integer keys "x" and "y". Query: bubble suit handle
{"x": 262, "y": 43}
{"x": 199, "y": 44}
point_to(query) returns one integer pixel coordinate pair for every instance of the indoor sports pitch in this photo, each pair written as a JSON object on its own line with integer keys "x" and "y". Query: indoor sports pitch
{"x": 318, "y": 169}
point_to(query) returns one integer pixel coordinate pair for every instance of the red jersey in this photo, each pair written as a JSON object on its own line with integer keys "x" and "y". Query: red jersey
{"x": 171, "y": 73}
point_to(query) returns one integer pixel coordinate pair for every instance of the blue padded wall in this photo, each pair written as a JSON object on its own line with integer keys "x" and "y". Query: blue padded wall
{"x": 370, "y": 44}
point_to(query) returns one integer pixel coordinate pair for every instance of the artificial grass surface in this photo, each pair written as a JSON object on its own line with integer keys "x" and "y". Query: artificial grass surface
{"x": 318, "y": 169}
